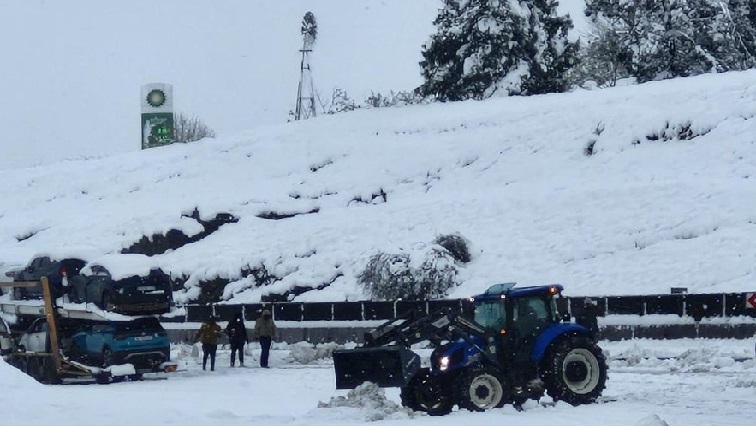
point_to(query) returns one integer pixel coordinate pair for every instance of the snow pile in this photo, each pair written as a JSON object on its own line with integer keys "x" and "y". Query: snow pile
{"x": 652, "y": 420}
{"x": 682, "y": 356}
{"x": 307, "y": 353}
{"x": 120, "y": 370}
{"x": 371, "y": 401}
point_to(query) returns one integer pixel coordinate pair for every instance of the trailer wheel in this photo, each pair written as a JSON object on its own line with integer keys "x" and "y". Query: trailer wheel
{"x": 480, "y": 389}
{"x": 575, "y": 371}
{"x": 427, "y": 393}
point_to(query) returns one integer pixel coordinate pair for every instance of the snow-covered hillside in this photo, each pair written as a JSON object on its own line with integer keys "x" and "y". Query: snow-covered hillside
{"x": 666, "y": 199}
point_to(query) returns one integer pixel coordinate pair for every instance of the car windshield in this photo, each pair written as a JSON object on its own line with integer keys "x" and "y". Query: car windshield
{"x": 490, "y": 314}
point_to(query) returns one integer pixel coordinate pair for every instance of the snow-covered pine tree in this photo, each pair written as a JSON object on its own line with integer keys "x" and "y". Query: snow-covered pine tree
{"x": 743, "y": 15}
{"x": 550, "y": 52}
{"x": 486, "y": 46}
{"x": 672, "y": 38}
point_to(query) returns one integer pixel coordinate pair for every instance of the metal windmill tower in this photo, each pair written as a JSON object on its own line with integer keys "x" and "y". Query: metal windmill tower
{"x": 306, "y": 92}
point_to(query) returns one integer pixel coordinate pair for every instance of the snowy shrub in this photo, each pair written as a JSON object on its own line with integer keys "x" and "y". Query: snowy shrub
{"x": 306, "y": 353}
{"x": 456, "y": 245}
{"x": 426, "y": 274}
{"x": 378, "y": 100}
{"x": 190, "y": 129}
{"x": 371, "y": 399}
{"x": 341, "y": 102}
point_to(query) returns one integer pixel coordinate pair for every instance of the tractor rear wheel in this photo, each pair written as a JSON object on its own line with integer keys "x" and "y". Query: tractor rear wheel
{"x": 575, "y": 371}
{"x": 480, "y": 389}
{"x": 426, "y": 392}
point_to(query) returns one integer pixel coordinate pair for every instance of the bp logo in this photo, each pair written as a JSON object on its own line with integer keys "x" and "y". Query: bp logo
{"x": 156, "y": 98}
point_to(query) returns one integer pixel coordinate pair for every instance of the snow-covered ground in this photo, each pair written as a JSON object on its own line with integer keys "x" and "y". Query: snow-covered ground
{"x": 682, "y": 383}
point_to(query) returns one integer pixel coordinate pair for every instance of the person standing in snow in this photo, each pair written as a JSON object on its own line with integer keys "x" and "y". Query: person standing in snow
{"x": 265, "y": 330}
{"x": 237, "y": 338}
{"x": 208, "y": 335}
{"x": 587, "y": 316}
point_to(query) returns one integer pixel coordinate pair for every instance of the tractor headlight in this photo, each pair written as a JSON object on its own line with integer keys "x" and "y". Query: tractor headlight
{"x": 443, "y": 363}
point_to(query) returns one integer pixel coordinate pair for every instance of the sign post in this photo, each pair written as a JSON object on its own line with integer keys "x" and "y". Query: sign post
{"x": 157, "y": 115}
{"x": 750, "y": 300}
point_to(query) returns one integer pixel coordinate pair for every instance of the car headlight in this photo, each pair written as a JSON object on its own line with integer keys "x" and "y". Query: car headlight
{"x": 443, "y": 363}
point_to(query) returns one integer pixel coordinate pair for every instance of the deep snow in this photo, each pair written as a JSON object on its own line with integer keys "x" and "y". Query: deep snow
{"x": 684, "y": 382}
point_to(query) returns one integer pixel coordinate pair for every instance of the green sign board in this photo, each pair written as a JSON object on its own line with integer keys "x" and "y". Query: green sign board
{"x": 157, "y": 129}
{"x": 157, "y": 115}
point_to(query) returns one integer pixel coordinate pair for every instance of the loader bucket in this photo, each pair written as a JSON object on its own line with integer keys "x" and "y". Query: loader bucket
{"x": 385, "y": 366}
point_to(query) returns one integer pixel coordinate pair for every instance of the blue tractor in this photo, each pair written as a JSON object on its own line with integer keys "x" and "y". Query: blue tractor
{"x": 514, "y": 347}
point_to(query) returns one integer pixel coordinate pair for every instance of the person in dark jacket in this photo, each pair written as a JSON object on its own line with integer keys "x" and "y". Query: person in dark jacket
{"x": 265, "y": 330}
{"x": 208, "y": 334}
{"x": 587, "y": 316}
{"x": 237, "y": 338}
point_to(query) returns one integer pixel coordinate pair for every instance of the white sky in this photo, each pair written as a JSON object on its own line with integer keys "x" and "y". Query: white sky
{"x": 72, "y": 71}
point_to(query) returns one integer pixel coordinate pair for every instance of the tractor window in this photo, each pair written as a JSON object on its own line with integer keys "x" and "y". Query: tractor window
{"x": 530, "y": 315}
{"x": 490, "y": 315}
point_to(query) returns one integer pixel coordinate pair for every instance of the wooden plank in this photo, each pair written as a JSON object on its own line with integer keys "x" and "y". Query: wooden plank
{"x": 52, "y": 323}
{"x": 20, "y": 284}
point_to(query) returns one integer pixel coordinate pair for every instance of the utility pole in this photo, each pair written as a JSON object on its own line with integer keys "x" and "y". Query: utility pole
{"x": 306, "y": 91}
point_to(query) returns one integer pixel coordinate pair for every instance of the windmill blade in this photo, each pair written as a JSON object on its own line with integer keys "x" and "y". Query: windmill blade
{"x": 309, "y": 29}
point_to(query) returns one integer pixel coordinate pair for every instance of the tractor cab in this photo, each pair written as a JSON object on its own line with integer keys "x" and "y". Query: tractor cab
{"x": 524, "y": 311}
{"x": 520, "y": 317}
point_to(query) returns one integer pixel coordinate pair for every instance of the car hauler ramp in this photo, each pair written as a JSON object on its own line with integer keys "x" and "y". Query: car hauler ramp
{"x": 40, "y": 308}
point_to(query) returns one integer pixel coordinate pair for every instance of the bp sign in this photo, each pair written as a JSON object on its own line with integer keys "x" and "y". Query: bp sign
{"x": 157, "y": 115}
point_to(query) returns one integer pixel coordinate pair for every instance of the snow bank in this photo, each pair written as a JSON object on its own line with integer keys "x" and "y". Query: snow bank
{"x": 371, "y": 402}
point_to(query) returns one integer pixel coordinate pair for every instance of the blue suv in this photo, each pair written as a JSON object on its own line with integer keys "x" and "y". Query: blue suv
{"x": 142, "y": 342}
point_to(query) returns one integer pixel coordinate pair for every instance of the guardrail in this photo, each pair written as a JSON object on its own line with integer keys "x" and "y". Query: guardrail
{"x": 696, "y": 306}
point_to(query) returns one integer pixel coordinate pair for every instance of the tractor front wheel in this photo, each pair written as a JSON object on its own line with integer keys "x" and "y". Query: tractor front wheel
{"x": 481, "y": 389}
{"x": 575, "y": 371}
{"x": 426, "y": 392}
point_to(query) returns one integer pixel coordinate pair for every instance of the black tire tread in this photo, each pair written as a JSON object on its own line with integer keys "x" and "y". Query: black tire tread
{"x": 552, "y": 375}
{"x": 409, "y": 395}
{"x": 465, "y": 380}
